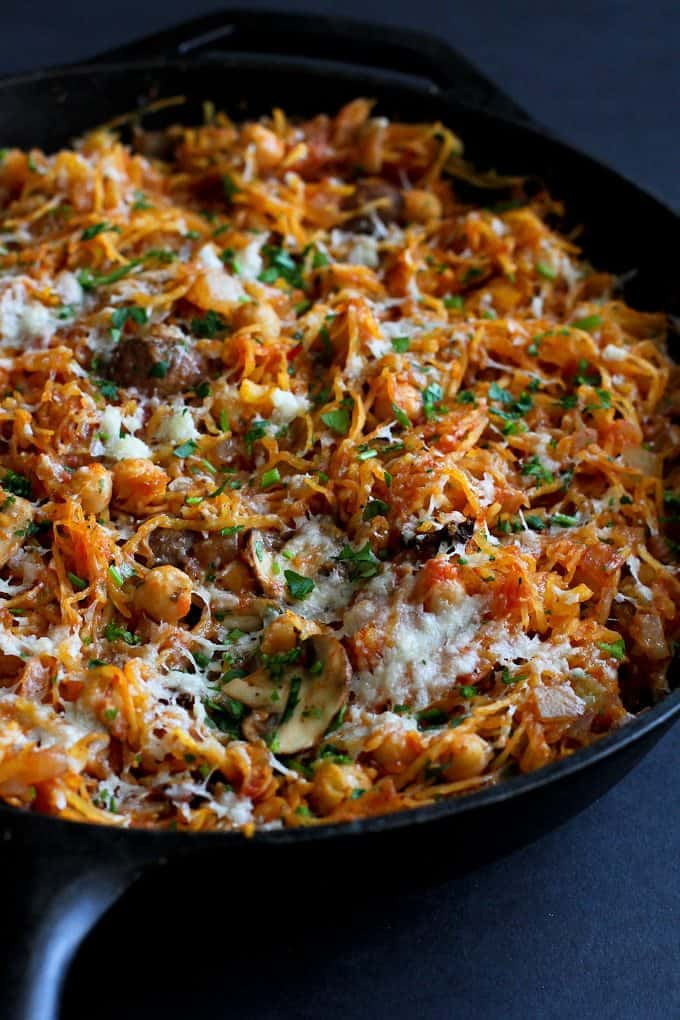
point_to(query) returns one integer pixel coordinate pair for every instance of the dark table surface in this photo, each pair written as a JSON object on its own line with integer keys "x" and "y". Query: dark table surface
{"x": 585, "y": 922}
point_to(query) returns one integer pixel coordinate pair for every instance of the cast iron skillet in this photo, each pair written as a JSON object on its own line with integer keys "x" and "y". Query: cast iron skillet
{"x": 60, "y": 877}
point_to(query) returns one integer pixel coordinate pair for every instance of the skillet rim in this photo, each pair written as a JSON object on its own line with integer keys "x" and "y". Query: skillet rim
{"x": 649, "y": 720}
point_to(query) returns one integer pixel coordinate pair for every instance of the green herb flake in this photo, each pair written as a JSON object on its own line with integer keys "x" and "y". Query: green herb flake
{"x": 362, "y": 563}
{"x": 431, "y": 718}
{"x": 564, "y": 520}
{"x": 535, "y": 469}
{"x": 160, "y": 369}
{"x": 401, "y": 416}
{"x": 113, "y": 632}
{"x": 338, "y": 420}
{"x": 466, "y": 397}
{"x": 185, "y": 449}
{"x": 229, "y": 187}
{"x": 270, "y": 478}
{"x": 319, "y": 259}
{"x": 141, "y": 202}
{"x": 89, "y": 280}
{"x": 546, "y": 271}
{"x": 96, "y": 229}
{"x": 375, "y": 508}
{"x": 116, "y": 576}
{"x": 108, "y": 389}
{"x": 298, "y": 585}
{"x": 616, "y": 649}
{"x": 588, "y": 323}
{"x": 17, "y": 484}
{"x": 207, "y": 327}
{"x": 431, "y": 396}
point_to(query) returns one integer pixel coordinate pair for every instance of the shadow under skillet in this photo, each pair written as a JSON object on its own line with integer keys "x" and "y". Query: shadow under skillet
{"x": 577, "y": 916}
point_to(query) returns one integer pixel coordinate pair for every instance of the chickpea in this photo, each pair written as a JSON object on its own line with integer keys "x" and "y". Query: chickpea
{"x": 137, "y": 483}
{"x": 165, "y": 594}
{"x": 269, "y": 147}
{"x": 333, "y": 784}
{"x": 396, "y": 391}
{"x": 280, "y": 636}
{"x": 93, "y": 485}
{"x": 260, "y": 314}
{"x": 421, "y": 206}
{"x": 397, "y": 750}
{"x": 468, "y": 755}
{"x": 15, "y": 516}
{"x": 237, "y": 577}
{"x": 443, "y": 595}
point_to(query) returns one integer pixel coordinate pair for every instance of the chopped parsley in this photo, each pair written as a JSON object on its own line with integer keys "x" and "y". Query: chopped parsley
{"x": 141, "y": 202}
{"x": 564, "y": 520}
{"x": 298, "y": 585}
{"x": 535, "y": 469}
{"x": 546, "y": 271}
{"x": 401, "y": 416}
{"x": 229, "y": 187}
{"x": 96, "y": 229}
{"x": 17, "y": 484}
{"x": 362, "y": 563}
{"x": 159, "y": 369}
{"x": 185, "y": 449}
{"x": 113, "y": 632}
{"x": 588, "y": 323}
{"x": 338, "y": 420}
{"x": 431, "y": 718}
{"x": 89, "y": 280}
{"x": 616, "y": 649}
{"x": 270, "y": 478}
{"x": 108, "y": 389}
{"x": 431, "y": 395}
{"x": 466, "y": 397}
{"x": 208, "y": 326}
{"x": 375, "y": 508}
{"x": 78, "y": 582}
{"x": 281, "y": 265}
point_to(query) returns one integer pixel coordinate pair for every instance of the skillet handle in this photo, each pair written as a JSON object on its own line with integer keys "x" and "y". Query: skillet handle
{"x": 343, "y": 40}
{"x": 54, "y": 892}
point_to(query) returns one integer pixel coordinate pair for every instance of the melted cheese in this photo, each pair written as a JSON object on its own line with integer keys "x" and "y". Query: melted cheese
{"x": 424, "y": 654}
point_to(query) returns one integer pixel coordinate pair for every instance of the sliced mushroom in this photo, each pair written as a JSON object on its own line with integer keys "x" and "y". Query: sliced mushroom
{"x": 321, "y": 693}
{"x": 286, "y": 631}
{"x": 310, "y": 551}
{"x": 260, "y": 690}
{"x": 301, "y": 699}
{"x": 429, "y": 541}
{"x": 260, "y": 558}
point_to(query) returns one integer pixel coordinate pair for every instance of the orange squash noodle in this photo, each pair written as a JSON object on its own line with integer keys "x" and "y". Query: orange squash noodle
{"x": 332, "y": 481}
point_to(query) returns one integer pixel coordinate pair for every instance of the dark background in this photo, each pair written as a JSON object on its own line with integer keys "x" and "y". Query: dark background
{"x": 584, "y": 923}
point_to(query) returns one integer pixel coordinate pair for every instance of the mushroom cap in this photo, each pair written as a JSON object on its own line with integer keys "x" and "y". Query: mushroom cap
{"x": 303, "y": 697}
{"x": 321, "y": 694}
{"x": 259, "y": 555}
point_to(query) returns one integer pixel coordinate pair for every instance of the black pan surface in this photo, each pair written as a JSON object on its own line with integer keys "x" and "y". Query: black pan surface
{"x": 66, "y": 874}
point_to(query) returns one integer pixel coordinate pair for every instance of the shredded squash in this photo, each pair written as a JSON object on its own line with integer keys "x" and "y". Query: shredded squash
{"x": 333, "y": 482}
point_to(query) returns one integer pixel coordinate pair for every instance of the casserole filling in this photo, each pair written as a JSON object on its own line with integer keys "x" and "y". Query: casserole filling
{"x": 333, "y": 481}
